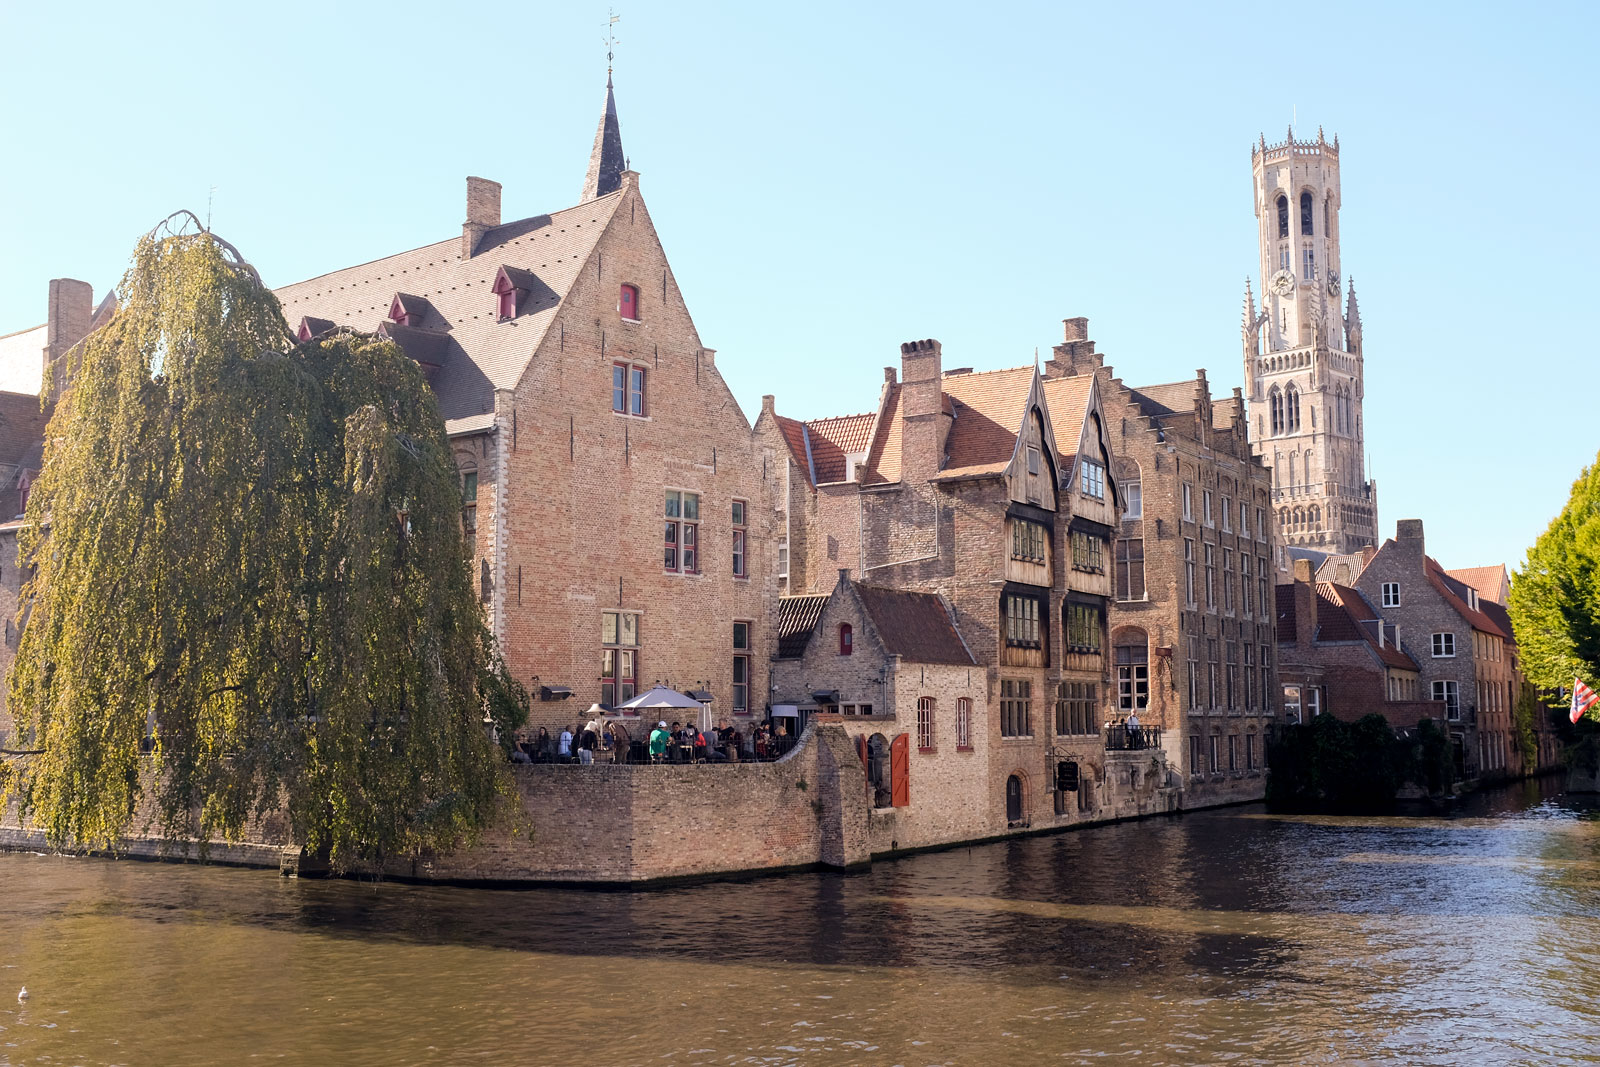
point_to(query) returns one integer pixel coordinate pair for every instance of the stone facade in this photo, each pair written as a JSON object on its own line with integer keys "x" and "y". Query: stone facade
{"x": 1192, "y": 568}
{"x": 1303, "y": 359}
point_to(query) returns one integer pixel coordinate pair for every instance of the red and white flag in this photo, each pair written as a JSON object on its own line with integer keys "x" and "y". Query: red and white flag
{"x": 1582, "y": 697}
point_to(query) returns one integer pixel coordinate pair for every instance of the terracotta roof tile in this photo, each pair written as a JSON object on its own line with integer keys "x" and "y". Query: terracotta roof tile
{"x": 1490, "y": 582}
{"x": 486, "y": 354}
{"x": 914, "y": 626}
{"x": 1454, "y": 593}
{"x": 794, "y": 435}
{"x": 989, "y": 407}
{"x": 1166, "y": 399}
{"x": 833, "y": 439}
{"x": 883, "y": 461}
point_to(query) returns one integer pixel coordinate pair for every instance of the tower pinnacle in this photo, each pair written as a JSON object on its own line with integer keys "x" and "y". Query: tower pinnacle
{"x": 606, "y": 161}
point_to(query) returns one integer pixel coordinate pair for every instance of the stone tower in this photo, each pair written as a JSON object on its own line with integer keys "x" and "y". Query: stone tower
{"x": 1303, "y": 357}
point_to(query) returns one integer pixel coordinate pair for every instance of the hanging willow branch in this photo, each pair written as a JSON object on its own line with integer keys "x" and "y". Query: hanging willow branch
{"x": 254, "y": 568}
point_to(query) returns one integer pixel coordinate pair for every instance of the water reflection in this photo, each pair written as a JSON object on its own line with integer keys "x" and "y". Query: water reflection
{"x": 1226, "y": 935}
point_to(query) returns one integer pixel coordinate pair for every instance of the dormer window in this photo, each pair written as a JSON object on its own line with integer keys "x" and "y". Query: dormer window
{"x": 628, "y": 303}
{"x": 399, "y": 314}
{"x": 510, "y": 286}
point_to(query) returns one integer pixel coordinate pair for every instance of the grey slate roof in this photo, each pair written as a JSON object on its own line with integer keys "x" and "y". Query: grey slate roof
{"x": 797, "y": 618}
{"x": 481, "y": 353}
{"x": 914, "y": 626}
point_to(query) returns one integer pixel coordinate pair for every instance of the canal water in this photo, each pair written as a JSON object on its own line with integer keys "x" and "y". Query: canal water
{"x": 1233, "y": 936}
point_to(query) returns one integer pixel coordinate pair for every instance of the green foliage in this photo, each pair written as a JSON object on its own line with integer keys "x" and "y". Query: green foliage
{"x": 1331, "y": 764}
{"x": 1524, "y": 713}
{"x": 1555, "y": 597}
{"x": 254, "y": 566}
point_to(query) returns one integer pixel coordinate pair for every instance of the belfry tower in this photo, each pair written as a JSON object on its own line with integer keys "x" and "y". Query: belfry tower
{"x": 1303, "y": 357}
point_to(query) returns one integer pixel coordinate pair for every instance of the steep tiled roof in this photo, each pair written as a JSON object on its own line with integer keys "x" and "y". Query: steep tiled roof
{"x": 914, "y": 626}
{"x": 833, "y": 439}
{"x": 797, "y": 618}
{"x": 883, "y": 460}
{"x": 1500, "y": 616}
{"x": 1167, "y": 399}
{"x": 794, "y": 435}
{"x": 1223, "y": 411}
{"x": 988, "y": 412}
{"x": 1068, "y": 399}
{"x": 1455, "y": 594}
{"x": 1341, "y": 567}
{"x": 1343, "y": 615}
{"x": 482, "y": 354}
{"x": 1490, "y": 582}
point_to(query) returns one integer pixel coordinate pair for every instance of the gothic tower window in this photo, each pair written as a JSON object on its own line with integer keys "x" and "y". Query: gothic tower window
{"x": 1327, "y": 215}
{"x": 1291, "y": 408}
{"x": 1283, "y": 215}
{"x": 1305, "y": 214}
{"x": 1275, "y": 402}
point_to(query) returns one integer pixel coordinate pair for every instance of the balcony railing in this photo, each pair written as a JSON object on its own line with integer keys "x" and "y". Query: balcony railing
{"x": 1123, "y": 738}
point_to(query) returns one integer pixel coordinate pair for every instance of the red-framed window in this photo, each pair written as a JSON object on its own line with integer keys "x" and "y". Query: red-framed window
{"x": 740, "y": 560}
{"x": 628, "y": 302}
{"x": 627, "y": 389}
{"x": 847, "y": 639}
{"x": 925, "y": 724}
{"x": 619, "y": 657}
{"x": 964, "y": 724}
{"x": 399, "y": 314}
{"x": 682, "y": 532}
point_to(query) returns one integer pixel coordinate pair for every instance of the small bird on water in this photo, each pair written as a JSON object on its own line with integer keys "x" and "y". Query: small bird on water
{"x": 23, "y": 995}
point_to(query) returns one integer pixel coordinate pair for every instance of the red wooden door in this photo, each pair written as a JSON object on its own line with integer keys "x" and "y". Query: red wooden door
{"x": 861, "y": 750}
{"x": 900, "y": 771}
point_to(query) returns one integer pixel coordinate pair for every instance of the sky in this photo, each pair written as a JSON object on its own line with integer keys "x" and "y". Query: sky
{"x": 831, "y": 179}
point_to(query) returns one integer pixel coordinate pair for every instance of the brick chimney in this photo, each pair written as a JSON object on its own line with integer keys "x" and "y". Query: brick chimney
{"x": 71, "y": 311}
{"x": 483, "y": 213}
{"x": 1409, "y": 542}
{"x": 1076, "y": 354}
{"x": 1305, "y": 603}
{"x": 921, "y": 402}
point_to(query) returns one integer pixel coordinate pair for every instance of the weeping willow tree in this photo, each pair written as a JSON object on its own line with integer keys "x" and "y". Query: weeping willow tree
{"x": 1555, "y": 598}
{"x": 251, "y": 593}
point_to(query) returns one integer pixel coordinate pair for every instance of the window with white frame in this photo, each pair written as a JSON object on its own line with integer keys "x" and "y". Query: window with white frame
{"x": 1088, "y": 552}
{"x": 1188, "y": 502}
{"x": 963, "y": 723}
{"x": 1313, "y": 702}
{"x": 1447, "y": 693}
{"x": 1227, "y": 514}
{"x": 1028, "y": 540}
{"x": 1205, "y": 507}
{"x": 1444, "y": 646}
{"x": 1291, "y": 703}
{"x": 1133, "y": 676}
{"x": 627, "y": 389}
{"x": 1391, "y": 594}
{"x": 925, "y": 724}
{"x": 1244, "y": 519}
{"x": 1133, "y": 493}
{"x": 1092, "y": 479}
{"x": 682, "y": 532}
{"x": 1188, "y": 570}
{"x": 740, "y": 545}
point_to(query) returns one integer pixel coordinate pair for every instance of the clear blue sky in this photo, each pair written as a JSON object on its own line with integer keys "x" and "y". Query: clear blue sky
{"x": 833, "y": 179}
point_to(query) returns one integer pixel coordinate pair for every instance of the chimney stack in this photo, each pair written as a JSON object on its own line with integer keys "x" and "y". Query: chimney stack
{"x": 483, "y": 213}
{"x": 921, "y": 400}
{"x": 71, "y": 311}
{"x": 1305, "y": 603}
{"x": 1076, "y": 354}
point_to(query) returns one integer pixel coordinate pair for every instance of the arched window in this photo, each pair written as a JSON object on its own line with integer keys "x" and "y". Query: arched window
{"x": 469, "y": 501}
{"x": 1291, "y": 408}
{"x": 1315, "y": 516}
{"x": 1306, "y": 481}
{"x": 1306, "y": 202}
{"x": 1327, "y": 215}
{"x": 1299, "y": 517}
{"x": 878, "y": 772}
{"x": 1283, "y": 215}
{"x": 1283, "y": 517}
{"x": 1133, "y": 670}
{"x": 628, "y": 303}
{"x": 847, "y": 640}
{"x": 507, "y": 294}
{"x": 1275, "y": 403}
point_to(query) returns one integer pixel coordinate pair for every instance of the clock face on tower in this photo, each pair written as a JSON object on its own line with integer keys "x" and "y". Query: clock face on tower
{"x": 1282, "y": 283}
{"x": 1333, "y": 284}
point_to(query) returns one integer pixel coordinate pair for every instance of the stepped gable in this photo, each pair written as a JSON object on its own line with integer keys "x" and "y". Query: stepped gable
{"x": 481, "y": 353}
{"x": 914, "y": 626}
{"x": 797, "y": 618}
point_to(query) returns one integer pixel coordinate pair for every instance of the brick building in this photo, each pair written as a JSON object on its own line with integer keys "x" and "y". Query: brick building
{"x": 997, "y": 491}
{"x": 619, "y": 508}
{"x": 1338, "y": 656}
{"x": 891, "y": 667}
{"x": 1192, "y": 620}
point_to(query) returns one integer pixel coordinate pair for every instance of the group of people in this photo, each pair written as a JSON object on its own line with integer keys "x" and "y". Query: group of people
{"x": 608, "y": 741}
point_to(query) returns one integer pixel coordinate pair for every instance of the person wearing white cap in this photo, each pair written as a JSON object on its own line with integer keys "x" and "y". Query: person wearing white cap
{"x": 658, "y": 742}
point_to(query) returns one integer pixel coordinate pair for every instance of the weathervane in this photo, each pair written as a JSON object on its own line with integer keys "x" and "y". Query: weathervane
{"x": 611, "y": 37}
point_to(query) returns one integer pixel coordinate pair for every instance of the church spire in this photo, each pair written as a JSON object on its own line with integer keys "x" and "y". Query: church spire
{"x": 606, "y": 162}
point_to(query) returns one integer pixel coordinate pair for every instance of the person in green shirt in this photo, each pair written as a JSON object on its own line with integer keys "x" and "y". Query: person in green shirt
{"x": 658, "y": 742}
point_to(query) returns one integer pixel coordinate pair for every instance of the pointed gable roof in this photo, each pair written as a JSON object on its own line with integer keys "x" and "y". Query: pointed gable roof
{"x": 989, "y": 410}
{"x": 833, "y": 440}
{"x": 486, "y": 354}
{"x": 914, "y": 626}
{"x": 606, "y": 161}
{"x": 797, "y": 619}
{"x": 1491, "y": 583}
{"x": 1455, "y": 594}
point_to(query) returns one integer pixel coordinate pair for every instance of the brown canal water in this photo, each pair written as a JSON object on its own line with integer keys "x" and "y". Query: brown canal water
{"x": 1234, "y": 937}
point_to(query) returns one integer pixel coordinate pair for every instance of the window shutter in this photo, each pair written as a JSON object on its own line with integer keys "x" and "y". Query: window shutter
{"x": 861, "y": 749}
{"x": 900, "y": 771}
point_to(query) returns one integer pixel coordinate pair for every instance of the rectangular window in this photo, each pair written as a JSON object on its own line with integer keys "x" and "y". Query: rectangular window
{"x": 1244, "y": 583}
{"x": 627, "y": 389}
{"x": 1092, "y": 479}
{"x": 1188, "y": 571}
{"x": 1194, "y": 672}
{"x": 1213, "y": 692}
{"x": 1022, "y": 622}
{"x": 1188, "y": 502}
{"x": 740, "y": 566}
{"x": 1309, "y": 264}
{"x": 1133, "y": 493}
{"x": 1391, "y": 594}
{"x": 1130, "y": 569}
{"x": 741, "y": 668}
{"x": 963, "y": 724}
{"x": 1244, "y": 519}
{"x": 1083, "y": 628}
{"x": 1263, "y": 605}
{"x": 1231, "y": 676}
{"x": 1088, "y": 552}
{"x": 1205, "y": 506}
{"x": 1227, "y": 514}
{"x": 1216, "y": 757}
{"x": 1233, "y": 752}
{"x": 1016, "y": 708}
{"x": 1133, "y": 677}
{"x": 1447, "y": 693}
{"x": 1034, "y": 463}
{"x": 1313, "y": 697}
{"x": 469, "y": 507}
{"x": 1194, "y": 755}
{"x": 619, "y": 657}
{"x": 1249, "y": 676}
{"x": 1028, "y": 540}
{"x": 628, "y": 303}
{"x": 1291, "y": 703}
{"x": 925, "y": 724}
{"x": 1261, "y": 524}
{"x": 1211, "y": 576}
{"x": 1249, "y": 752}
{"x": 1266, "y": 678}
{"x": 682, "y": 532}
{"x": 1444, "y": 646}
{"x": 1227, "y": 579}
{"x": 1075, "y": 708}
{"x": 783, "y": 558}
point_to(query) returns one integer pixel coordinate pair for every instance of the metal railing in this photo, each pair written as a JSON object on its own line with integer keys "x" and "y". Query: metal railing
{"x": 1123, "y": 738}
